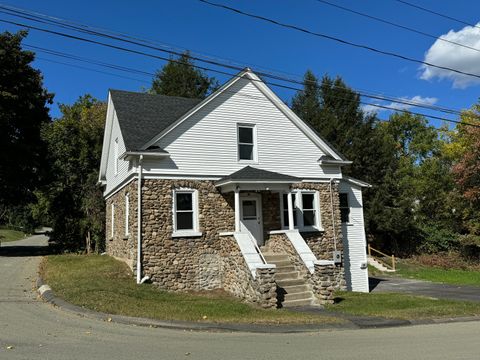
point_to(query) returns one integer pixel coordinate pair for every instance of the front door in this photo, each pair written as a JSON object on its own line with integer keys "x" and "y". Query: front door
{"x": 251, "y": 216}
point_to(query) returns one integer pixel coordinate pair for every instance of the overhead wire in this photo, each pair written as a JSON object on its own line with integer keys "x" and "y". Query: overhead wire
{"x": 391, "y": 23}
{"x": 337, "y": 39}
{"x": 85, "y": 29}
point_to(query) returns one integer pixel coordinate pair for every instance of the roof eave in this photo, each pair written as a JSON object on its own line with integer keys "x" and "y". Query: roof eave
{"x": 128, "y": 155}
{"x": 335, "y": 162}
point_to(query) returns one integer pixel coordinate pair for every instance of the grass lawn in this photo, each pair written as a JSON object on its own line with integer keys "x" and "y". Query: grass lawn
{"x": 11, "y": 235}
{"x": 401, "y": 306}
{"x": 107, "y": 285}
{"x": 436, "y": 274}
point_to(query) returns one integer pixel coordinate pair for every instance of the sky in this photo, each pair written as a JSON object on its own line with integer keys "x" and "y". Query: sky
{"x": 207, "y": 30}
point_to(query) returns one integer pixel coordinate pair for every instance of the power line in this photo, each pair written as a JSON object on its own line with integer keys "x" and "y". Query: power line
{"x": 437, "y": 13}
{"x": 336, "y": 39}
{"x": 391, "y": 23}
{"x": 209, "y": 69}
{"x": 118, "y": 36}
{"x": 141, "y": 72}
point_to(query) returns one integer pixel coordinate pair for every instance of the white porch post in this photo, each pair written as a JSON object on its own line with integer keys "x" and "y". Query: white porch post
{"x": 237, "y": 209}
{"x": 291, "y": 225}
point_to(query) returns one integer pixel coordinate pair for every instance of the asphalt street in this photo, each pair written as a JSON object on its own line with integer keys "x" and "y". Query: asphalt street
{"x": 32, "y": 329}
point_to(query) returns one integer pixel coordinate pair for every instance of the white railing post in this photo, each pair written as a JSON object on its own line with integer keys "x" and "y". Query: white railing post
{"x": 291, "y": 225}
{"x": 237, "y": 209}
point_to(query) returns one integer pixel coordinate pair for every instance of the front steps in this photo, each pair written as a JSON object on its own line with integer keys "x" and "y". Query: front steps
{"x": 292, "y": 289}
{"x": 377, "y": 265}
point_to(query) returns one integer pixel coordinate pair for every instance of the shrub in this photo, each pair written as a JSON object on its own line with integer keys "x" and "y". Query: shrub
{"x": 470, "y": 247}
{"x": 436, "y": 239}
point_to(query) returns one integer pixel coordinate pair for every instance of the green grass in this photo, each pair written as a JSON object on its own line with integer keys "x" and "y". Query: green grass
{"x": 401, "y": 306}
{"x": 11, "y": 235}
{"x": 435, "y": 274}
{"x": 103, "y": 284}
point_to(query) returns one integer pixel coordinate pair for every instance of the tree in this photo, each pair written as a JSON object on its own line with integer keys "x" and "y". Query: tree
{"x": 23, "y": 111}
{"x": 179, "y": 77}
{"x": 72, "y": 199}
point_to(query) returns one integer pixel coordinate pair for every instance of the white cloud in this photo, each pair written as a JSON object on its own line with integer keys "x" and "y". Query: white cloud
{"x": 417, "y": 99}
{"x": 455, "y": 57}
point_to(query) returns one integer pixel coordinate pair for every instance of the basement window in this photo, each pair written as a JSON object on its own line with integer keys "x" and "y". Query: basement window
{"x": 185, "y": 213}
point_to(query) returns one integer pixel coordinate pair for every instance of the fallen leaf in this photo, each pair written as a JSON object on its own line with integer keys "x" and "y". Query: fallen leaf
{"x": 10, "y": 347}
{"x": 187, "y": 353}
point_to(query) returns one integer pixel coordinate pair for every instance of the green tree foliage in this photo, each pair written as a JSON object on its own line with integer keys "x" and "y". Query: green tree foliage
{"x": 179, "y": 77}
{"x": 72, "y": 199}
{"x": 23, "y": 111}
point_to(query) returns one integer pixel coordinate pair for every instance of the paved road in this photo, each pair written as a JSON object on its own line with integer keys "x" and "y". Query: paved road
{"x": 425, "y": 288}
{"x": 39, "y": 331}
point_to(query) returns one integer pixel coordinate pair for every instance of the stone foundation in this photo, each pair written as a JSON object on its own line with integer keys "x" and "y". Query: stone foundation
{"x": 208, "y": 261}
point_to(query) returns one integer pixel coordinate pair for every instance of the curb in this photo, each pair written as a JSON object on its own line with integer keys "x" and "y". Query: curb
{"x": 351, "y": 322}
{"x": 47, "y": 295}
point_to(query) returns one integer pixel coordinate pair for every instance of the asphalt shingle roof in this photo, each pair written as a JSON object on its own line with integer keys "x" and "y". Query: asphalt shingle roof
{"x": 251, "y": 173}
{"x": 142, "y": 116}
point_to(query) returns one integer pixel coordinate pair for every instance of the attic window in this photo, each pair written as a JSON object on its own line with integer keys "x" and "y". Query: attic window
{"x": 246, "y": 143}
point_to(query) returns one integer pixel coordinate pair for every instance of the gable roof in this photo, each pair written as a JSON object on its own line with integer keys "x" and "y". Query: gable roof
{"x": 252, "y": 174}
{"x": 141, "y": 116}
{"x": 248, "y": 74}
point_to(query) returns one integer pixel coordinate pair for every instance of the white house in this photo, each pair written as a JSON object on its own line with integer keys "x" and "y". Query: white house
{"x": 232, "y": 192}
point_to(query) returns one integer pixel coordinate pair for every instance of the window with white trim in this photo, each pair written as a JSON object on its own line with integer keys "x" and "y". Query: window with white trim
{"x": 127, "y": 214}
{"x": 344, "y": 208}
{"x": 112, "y": 210}
{"x": 185, "y": 213}
{"x": 115, "y": 156}
{"x": 306, "y": 210}
{"x": 247, "y": 148}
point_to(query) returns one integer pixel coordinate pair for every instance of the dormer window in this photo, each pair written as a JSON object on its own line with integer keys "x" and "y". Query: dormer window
{"x": 247, "y": 143}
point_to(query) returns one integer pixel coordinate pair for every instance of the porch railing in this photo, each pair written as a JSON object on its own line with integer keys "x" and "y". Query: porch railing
{"x": 386, "y": 260}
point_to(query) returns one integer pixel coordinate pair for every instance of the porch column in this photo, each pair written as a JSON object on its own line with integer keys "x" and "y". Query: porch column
{"x": 237, "y": 209}
{"x": 291, "y": 225}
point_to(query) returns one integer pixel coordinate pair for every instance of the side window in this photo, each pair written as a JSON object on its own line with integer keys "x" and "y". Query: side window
{"x": 115, "y": 156}
{"x": 185, "y": 213}
{"x": 286, "y": 223}
{"x": 246, "y": 143}
{"x": 309, "y": 209}
{"x": 306, "y": 210}
{"x": 127, "y": 214}
{"x": 112, "y": 210}
{"x": 344, "y": 208}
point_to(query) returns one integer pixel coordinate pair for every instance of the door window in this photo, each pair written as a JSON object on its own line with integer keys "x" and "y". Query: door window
{"x": 249, "y": 210}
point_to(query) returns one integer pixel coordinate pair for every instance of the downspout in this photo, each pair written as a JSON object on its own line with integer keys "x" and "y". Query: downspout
{"x": 333, "y": 217}
{"x": 139, "y": 222}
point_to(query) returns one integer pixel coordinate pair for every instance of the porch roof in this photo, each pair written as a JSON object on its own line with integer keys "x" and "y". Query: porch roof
{"x": 251, "y": 175}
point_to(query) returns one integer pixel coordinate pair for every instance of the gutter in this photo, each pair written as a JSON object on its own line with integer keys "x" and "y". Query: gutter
{"x": 139, "y": 221}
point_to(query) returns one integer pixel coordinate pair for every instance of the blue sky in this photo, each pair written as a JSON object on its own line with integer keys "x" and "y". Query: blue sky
{"x": 189, "y": 24}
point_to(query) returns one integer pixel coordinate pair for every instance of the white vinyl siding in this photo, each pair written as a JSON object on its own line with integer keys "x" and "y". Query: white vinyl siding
{"x": 117, "y": 169}
{"x": 354, "y": 241}
{"x": 206, "y": 143}
{"x": 127, "y": 214}
{"x": 185, "y": 213}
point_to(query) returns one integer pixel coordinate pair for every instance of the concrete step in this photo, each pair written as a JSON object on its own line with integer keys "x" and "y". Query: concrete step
{"x": 299, "y": 296}
{"x": 298, "y": 302}
{"x": 290, "y": 275}
{"x": 279, "y": 263}
{"x": 284, "y": 268}
{"x": 290, "y": 282}
{"x": 275, "y": 257}
{"x": 296, "y": 288}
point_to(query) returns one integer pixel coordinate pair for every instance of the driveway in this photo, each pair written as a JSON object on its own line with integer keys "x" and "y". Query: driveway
{"x": 36, "y": 330}
{"x": 425, "y": 288}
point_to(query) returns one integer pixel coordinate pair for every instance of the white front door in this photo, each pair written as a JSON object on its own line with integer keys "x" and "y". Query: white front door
{"x": 251, "y": 216}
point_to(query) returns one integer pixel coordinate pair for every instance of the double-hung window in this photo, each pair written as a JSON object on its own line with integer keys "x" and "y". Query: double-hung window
{"x": 185, "y": 213}
{"x": 306, "y": 211}
{"x": 344, "y": 208}
{"x": 127, "y": 214}
{"x": 247, "y": 148}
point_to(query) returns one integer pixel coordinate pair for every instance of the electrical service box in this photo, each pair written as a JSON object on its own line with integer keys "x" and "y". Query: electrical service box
{"x": 337, "y": 257}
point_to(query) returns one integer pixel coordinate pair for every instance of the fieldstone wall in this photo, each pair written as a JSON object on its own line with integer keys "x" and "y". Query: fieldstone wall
{"x": 322, "y": 243}
{"x": 324, "y": 283}
{"x": 121, "y": 245}
{"x": 184, "y": 263}
{"x": 270, "y": 212}
{"x": 238, "y": 279}
{"x": 280, "y": 244}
